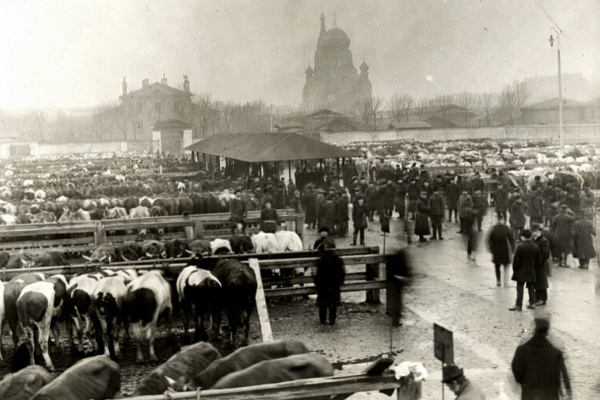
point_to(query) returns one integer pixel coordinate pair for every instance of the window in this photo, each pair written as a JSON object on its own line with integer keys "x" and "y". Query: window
{"x": 157, "y": 106}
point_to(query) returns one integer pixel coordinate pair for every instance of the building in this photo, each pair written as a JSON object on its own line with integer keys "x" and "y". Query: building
{"x": 546, "y": 112}
{"x": 334, "y": 83}
{"x": 143, "y": 108}
{"x": 541, "y": 88}
{"x": 320, "y": 121}
{"x": 171, "y": 137}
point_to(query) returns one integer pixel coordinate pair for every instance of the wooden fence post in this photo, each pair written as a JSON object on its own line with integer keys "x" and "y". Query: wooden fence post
{"x": 300, "y": 224}
{"x": 100, "y": 234}
{"x": 373, "y": 274}
{"x": 261, "y": 303}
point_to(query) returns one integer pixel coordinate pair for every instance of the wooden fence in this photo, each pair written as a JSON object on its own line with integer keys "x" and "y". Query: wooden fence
{"x": 338, "y": 387}
{"x": 369, "y": 280}
{"x": 83, "y": 236}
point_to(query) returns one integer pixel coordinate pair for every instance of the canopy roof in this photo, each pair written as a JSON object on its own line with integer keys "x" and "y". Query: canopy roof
{"x": 264, "y": 147}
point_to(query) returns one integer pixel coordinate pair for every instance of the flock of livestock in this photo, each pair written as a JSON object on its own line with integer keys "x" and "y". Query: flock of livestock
{"x": 103, "y": 303}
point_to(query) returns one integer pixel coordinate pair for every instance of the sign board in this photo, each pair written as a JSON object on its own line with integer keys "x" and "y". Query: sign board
{"x": 385, "y": 223}
{"x": 443, "y": 344}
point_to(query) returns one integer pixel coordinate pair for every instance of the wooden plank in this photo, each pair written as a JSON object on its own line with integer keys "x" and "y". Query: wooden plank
{"x": 312, "y": 261}
{"x": 302, "y": 280}
{"x": 299, "y": 389}
{"x": 47, "y": 231}
{"x": 348, "y": 287}
{"x": 261, "y": 303}
{"x": 47, "y": 243}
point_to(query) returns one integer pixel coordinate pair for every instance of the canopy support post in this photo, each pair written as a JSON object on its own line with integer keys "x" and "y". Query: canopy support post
{"x": 289, "y": 171}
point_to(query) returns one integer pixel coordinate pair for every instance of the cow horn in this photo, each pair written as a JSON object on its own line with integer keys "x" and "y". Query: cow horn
{"x": 189, "y": 252}
{"x": 149, "y": 255}
{"x": 87, "y": 258}
{"x": 103, "y": 258}
{"x": 164, "y": 254}
{"x": 124, "y": 258}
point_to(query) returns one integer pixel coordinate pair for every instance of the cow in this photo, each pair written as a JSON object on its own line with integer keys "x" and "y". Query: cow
{"x": 4, "y": 258}
{"x": 188, "y": 362}
{"x": 8, "y": 219}
{"x": 186, "y": 206}
{"x": 241, "y": 244}
{"x": 89, "y": 205}
{"x": 116, "y": 213}
{"x": 154, "y": 249}
{"x": 2, "y": 315}
{"x": 80, "y": 308}
{"x": 157, "y": 211}
{"x": 137, "y": 213}
{"x": 9, "y": 209}
{"x": 43, "y": 217}
{"x": 23, "y": 219}
{"x": 166, "y": 204}
{"x": 298, "y": 366}
{"x": 21, "y": 261}
{"x": 23, "y": 384}
{"x": 38, "y": 304}
{"x": 146, "y": 202}
{"x": 289, "y": 241}
{"x": 148, "y": 298}
{"x": 238, "y": 295}
{"x": 130, "y": 251}
{"x": 40, "y": 195}
{"x": 74, "y": 216}
{"x": 198, "y": 289}
{"x": 220, "y": 246}
{"x": 243, "y": 358}
{"x": 91, "y": 378}
{"x": 106, "y": 253}
{"x": 175, "y": 248}
{"x": 265, "y": 243}
{"x": 131, "y": 203}
{"x": 49, "y": 259}
{"x": 108, "y": 297}
{"x": 199, "y": 247}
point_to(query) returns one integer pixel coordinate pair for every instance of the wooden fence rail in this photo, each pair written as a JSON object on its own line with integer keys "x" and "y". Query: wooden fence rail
{"x": 338, "y": 386}
{"x": 83, "y": 236}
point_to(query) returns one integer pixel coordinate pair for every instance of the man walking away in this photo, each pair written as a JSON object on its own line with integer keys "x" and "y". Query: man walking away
{"x": 501, "y": 243}
{"x": 359, "y": 220}
{"x": 480, "y": 205}
{"x": 541, "y": 271}
{"x": 501, "y": 202}
{"x": 583, "y": 242}
{"x": 465, "y": 206}
{"x": 561, "y": 226}
{"x": 237, "y": 213}
{"x": 437, "y": 207}
{"x": 517, "y": 215}
{"x": 538, "y": 366}
{"x": 457, "y": 382}
{"x": 400, "y": 199}
{"x": 526, "y": 261}
{"x": 328, "y": 280}
{"x": 422, "y": 222}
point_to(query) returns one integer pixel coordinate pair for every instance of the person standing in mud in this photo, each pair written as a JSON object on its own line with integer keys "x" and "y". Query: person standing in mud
{"x": 397, "y": 271}
{"x": 330, "y": 276}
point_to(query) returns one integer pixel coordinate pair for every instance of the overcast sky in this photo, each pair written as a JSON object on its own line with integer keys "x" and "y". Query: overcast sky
{"x": 71, "y": 53}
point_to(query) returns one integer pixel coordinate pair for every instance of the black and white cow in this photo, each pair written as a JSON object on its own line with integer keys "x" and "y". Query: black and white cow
{"x": 148, "y": 298}
{"x": 199, "y": 292}
{"x": 38, "y": 304}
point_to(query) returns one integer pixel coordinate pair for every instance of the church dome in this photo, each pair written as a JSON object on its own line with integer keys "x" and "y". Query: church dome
{"x": 335, "y": 37}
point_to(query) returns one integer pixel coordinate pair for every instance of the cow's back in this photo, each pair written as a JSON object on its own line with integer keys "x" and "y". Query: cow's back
{"x": 189, "y": 361}
{"x": 244, "y": 358}
{"x": 12, "y": 291}
{"x": 92, "y": 378}
{"x": 300, "y": 366}
{"x": 25, "y": 383}
{"x": 147, "y": 295}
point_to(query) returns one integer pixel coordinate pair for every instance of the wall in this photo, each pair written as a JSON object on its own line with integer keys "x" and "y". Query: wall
{"x": 76, "y": 148}
{"x": 573, "y": 134}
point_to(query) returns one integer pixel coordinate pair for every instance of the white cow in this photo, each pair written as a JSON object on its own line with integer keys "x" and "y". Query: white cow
{"x": 265, "y": 243}
{"x": 109, "y": 296}
{"x": 217, "y": 244}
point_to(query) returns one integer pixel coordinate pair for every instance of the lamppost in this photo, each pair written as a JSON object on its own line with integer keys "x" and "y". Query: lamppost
{"x": 560, "y": 103}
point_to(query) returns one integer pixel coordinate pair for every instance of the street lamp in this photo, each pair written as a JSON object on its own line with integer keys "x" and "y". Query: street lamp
{"x": 560, "y": 103}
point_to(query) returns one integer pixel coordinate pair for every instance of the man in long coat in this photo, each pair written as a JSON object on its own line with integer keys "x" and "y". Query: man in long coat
{"x": 583, "y": 242}
{"x": 422, "y": 218}
{"x": 526, "y": 260}
{"x": 397, "y": 271}
{"x": 310, "y": 205}
{"x": 269, "y": 220}
{"x": 389, "y": 192}
{"x": 538, "y": 366}
{"x": 480, "y": 205}
{"x": 237, "y": 213}
{"x": 413, "y": 195}
{"x": 437, "y": 207}
{"x": 452, "y": 195}
{"x": 562, "y": 226}
{"x": 536, "y": 206}
{"x": 517, "y": 215}
{"x": 327, "y": 214}
{"x": 465, "y": 205}
{"x": 501, "y": 243}
{"x": 342, "y": 214}
{"x": 541, "y": 272}
{"x": 501, "y": 202}
{"x": 400, "y": 199}
{"x": 328, "y": 280}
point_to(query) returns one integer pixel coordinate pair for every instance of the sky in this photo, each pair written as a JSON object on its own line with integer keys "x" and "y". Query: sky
{"x": 73, "y": 53}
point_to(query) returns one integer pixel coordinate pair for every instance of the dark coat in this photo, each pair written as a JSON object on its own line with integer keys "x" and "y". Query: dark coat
{"x": 328, "y": 280}
{"x": 268, "y": 215}
{"x": 541, "y": 275}
{"x": 437, "y": 205}
{"x": 452, "y": 195}
{"x": 538, "y": 366}
{"x": 396, "y": 264}
{"x": 413, "y": 194}
{"x": 296, "y": 205}
{"x": 465, "y": 204}
{"x": 501, "y": 243}
{"x": 517, "y": 214}
{"x": 563, "y": 237}
{"x": 477, "y": 184}
{"x": 237, "y": 210}
{"x": 342, "y": 209}
{"x": 527, "y": 260}
{"x": 388, "y": 196}
{"x": 422, "y": 218}
{"x": 359, "y": 216}
{"x": 480, "y": 204}
{"x": 536, "y": 206}
{"x": 501, "y": 200}
{"x": 327, "y": 215}
{"x": 310, "y": 205}
{"x": 583, "y": 243}
{"x": 549, "y": 235}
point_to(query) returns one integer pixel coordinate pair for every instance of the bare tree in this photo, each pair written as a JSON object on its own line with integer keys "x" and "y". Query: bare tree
{"x": 376, "y": 103}
{"x": 443, "y": 101}
{"x": 400, "y": 106}
{"x": 511, "y": 100}
{"x": 468, "y": 102}
{"x": 421, "y": 108}
{"x": 362, "y": 110}
{"x": 227, "y": 115}
{"x": 486, "y": 106}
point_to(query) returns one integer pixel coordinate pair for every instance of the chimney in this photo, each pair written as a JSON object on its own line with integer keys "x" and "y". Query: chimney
{"x": 145, "y": 83}
{"x": 164, "y": 80}
{"x": 124, "y": 87}
{"x": 186, "y": 84}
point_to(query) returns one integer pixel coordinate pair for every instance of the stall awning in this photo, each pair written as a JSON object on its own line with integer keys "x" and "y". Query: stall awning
{"x": 265, "y": 147}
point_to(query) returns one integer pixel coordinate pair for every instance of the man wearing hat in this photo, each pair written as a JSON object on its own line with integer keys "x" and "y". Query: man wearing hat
{"x": 454, "y": 377}
{"x": 583, "y": 241}
{"x": 400, "y": 200}
{"x": 324, "y": 242}
{"x": 562, "y": 227}
{"x": 538, "y": 366}
{"x": 526, "y": 261}
{"x": 541, "y": 272}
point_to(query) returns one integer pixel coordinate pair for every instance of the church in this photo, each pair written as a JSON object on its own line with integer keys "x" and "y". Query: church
{"x": 334, "y": 83}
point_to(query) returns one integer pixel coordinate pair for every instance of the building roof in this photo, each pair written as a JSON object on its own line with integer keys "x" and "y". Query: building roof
{"x": 415, "y": 124}
{"x": 319, "y": 121}
{"x": 172, "y": 124}
{"x": 270, "y": 146}
{"x": 161, "y": 88}
{"x": 553, "y": 103}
